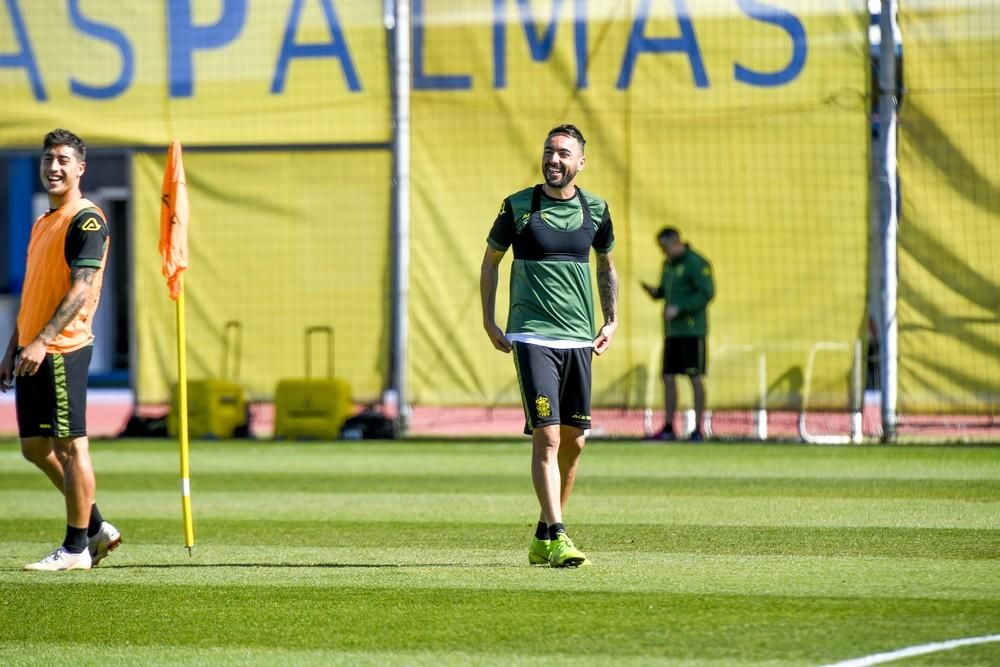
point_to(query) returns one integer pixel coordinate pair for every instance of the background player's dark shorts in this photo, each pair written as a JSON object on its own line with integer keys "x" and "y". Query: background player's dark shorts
{"x": 52, "y": 403}
{"x": 684, "y": 355}
{"x": 555, "y": 385}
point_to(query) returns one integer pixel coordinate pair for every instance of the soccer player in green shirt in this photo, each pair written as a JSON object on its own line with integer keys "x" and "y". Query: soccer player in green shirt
{"x": 550, "y": 327}
{"x": 686, "y": 286}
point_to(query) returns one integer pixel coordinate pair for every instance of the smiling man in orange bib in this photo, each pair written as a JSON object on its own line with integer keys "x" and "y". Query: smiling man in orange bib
{"x": 48, "y": 354}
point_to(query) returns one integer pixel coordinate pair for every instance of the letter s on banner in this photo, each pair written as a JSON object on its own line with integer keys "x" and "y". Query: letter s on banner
{"x": 107, "y": 33}
{"x": 796, "y": 31}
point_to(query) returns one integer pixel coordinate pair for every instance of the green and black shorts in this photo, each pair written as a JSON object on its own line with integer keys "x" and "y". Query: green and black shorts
{"x": 684, "y": 355}
{"x": 52, "y": 403}
{"x": 555, "y": 385}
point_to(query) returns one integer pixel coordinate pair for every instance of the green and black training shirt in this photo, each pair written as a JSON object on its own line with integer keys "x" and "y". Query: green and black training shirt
{"x": 550, "y": 288}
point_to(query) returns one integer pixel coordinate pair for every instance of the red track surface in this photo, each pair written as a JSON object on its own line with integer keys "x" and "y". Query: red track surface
{"x": 109, "y": 410}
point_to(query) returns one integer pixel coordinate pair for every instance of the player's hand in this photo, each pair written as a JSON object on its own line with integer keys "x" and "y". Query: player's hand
{"x": 670, "y": 312}
{"x": 604, "y": 336}
{"x": 6, "y": 373}
{"x": 30, "y": 359}
{"x": 495, "y": 333}
{"x": 651, "y": 290}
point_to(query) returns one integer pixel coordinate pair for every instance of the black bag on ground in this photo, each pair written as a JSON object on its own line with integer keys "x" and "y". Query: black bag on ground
{"x": 369, "y": 424}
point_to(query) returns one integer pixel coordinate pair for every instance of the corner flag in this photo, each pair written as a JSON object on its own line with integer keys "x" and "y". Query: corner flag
{"x": 174, "y": 217}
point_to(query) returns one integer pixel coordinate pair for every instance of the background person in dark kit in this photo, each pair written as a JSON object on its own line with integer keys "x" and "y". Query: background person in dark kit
{"x": 686, "y": 288}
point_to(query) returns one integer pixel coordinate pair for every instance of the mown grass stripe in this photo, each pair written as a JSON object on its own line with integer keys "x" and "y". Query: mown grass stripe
{"x": 934, "y": 543}
{"x": 592, "y": 484}
{"x": 402, "y": 553}
{"x": 629, "y": 624}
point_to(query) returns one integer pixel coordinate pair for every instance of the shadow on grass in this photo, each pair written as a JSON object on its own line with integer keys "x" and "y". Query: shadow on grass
{"x": 331, "y": 566}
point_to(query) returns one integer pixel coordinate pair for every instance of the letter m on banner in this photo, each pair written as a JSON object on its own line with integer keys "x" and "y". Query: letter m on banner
{"x": 539, "y": 45}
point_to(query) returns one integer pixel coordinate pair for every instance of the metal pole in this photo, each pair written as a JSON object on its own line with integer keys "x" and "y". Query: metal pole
{"x": 761, "y": 425}
{"x": 887, "y": 107}
{"x": 857, "y": 397}
{"x": 397, "y": 21}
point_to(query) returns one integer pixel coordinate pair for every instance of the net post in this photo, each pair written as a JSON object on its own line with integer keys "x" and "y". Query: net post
{"x": 690, "y": 421}
{"x": 397, "y": 23}
{"x": 647, "y": 422}
{"x": 760, "y": 427}
{"x": 857, "y": 396}
{"x": 828, "y": 346}
{"x": 887, "y": 108}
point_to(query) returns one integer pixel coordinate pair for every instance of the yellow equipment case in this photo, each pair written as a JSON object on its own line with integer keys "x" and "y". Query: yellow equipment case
{"x": 217, "y": 407}
{"x": 313, "y": 407}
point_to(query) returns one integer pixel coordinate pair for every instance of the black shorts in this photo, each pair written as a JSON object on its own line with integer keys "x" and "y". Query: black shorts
{"x": 555, "y": 385}
{"x": 52, "y": 403}
{"x": 684, "y": 355}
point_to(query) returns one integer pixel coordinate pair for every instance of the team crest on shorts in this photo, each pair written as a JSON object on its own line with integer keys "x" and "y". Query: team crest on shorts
{"x": 542, "y": 406}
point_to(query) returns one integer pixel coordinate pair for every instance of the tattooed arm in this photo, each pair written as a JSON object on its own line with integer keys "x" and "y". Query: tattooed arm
{"x": 607, "y": 287}
{"x": 81, "y": 284}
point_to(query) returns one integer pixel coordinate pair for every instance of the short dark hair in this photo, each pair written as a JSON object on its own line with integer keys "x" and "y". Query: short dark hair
{"x": 61, "y": 137}
{"x": 669, "y": 233}
{"x": 569, "y": 130}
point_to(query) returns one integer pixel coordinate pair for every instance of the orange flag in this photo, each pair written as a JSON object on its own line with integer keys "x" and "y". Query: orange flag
{"x": 174, "y": 217}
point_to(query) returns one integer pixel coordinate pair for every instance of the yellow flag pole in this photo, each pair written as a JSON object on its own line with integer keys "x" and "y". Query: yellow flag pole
{"x": 182, "y": 405}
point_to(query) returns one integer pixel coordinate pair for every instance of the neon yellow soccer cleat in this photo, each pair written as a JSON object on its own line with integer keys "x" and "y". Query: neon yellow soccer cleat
{"x": 538, "y": 553}
{"x": 565, "y": 554}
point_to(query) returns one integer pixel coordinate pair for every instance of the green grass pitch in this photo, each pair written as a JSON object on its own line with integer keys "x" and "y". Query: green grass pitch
{"x": 415, "y": 554}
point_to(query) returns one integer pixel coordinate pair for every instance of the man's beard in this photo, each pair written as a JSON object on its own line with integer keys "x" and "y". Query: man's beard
{"x": 561, "y": 181}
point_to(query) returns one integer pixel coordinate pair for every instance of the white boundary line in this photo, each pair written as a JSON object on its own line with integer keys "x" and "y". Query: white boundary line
{"x": 879, "y": 658}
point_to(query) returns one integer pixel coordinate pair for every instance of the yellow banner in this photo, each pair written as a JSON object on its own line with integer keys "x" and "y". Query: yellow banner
{"x": 949, "y": 269}
{"x": 278, "y": 242}
{"x": 743, "y": 123}
{"x": 213, "y": 73}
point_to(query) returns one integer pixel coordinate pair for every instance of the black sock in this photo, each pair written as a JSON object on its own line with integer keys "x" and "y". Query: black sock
{"x": 555, "y": 529}
{"x": 541, "y": 531}
{"x": 76, "y": 540}
{"x": 95, "y": 521}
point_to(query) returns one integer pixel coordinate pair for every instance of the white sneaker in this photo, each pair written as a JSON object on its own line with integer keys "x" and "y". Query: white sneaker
{"x": 104, "y": 542}
{"x": 60, "y": 559}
